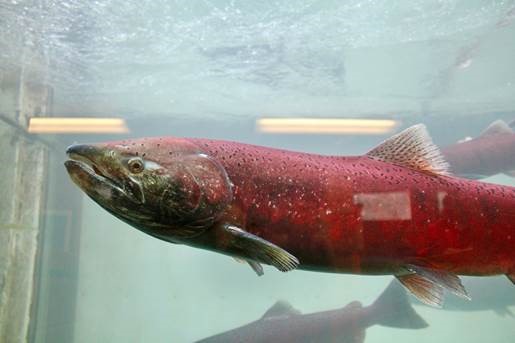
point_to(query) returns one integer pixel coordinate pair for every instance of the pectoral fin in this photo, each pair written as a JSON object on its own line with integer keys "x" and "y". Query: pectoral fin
{"x": 256, "y": 250}
{"x": 428, "y": 284}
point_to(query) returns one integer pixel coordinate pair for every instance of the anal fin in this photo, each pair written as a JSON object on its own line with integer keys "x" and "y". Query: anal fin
{"x": 428, "y": 284}
{"x": 427, "y": 292}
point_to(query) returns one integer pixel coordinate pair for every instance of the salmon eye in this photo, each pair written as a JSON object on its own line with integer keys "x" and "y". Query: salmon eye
{"x": 136, "y": 165}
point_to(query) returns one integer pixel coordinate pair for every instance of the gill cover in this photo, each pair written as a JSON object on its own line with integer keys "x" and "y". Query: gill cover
{"x": 199, "y": 192}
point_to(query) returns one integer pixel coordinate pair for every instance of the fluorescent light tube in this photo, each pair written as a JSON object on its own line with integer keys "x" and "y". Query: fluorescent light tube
{"x": 76, "y": 125}
{"x": 326, "y": 125}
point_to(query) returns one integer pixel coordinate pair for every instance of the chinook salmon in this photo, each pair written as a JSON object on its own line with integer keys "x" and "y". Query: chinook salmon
{"x": 283, "y": 323}
{"x": 395, "y": 210}
{"x": 492, "y": 152}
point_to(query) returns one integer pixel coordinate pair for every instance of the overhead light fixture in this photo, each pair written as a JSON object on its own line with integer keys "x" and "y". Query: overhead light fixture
{"x": 76, "y": 125}
{"x": 326, "y": 125}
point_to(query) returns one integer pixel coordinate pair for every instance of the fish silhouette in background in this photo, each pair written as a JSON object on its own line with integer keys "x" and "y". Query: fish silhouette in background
{"x": 283, "y": 323}
{"x": 488, "y": 294}
{"x": 395, "y": 210}
{"x": 491, "y": 153}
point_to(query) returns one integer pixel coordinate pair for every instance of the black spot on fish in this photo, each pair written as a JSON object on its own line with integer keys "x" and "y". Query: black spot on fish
{"x": 420, "y": 197}
{"x": 488, "y": 210}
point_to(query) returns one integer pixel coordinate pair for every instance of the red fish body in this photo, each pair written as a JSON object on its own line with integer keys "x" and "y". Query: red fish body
{"x": 361, "y": 215}
{"x": 394, "y": 210}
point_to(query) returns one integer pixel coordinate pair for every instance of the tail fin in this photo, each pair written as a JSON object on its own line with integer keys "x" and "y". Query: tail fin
{"x": 394, "y": 309}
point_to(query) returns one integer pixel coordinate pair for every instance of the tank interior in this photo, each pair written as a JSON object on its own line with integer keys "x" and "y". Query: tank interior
{"x": 70, "y": 272}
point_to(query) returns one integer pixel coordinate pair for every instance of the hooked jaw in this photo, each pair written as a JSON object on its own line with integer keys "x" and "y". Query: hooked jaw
{"x": 98, "y": 173}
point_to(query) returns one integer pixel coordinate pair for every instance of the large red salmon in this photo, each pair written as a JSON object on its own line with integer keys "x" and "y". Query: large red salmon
{"x": 395, "y": 210}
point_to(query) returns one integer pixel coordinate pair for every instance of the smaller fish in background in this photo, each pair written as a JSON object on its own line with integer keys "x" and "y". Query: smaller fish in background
{"x": 491, "y": 153}
{"x": 488, "y": 294}
{"x": 507, "y": 19}
{"x": 283, "y": 323}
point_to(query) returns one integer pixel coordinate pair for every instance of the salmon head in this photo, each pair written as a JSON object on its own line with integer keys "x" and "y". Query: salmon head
{"x": 162, "y": 186}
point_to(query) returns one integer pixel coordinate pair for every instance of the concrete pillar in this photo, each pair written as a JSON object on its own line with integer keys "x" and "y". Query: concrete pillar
{"x": 23, "y": 165}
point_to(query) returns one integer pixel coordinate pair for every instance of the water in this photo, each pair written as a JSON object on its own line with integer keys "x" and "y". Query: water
{"x": 210, "y": 69}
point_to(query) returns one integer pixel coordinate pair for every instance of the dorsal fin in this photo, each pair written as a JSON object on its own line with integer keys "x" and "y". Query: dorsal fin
{"x": 497, "y": 127}
{"x": 280, "y": 308}
{"x": 412, "y": 148}
{"x": 354, "y": 305}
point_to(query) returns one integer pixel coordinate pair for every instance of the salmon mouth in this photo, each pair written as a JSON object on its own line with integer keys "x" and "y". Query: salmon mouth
{"x": 86, "y": 164}
{"x": 90, "y": 178}
{"x": 88, "y": 173}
